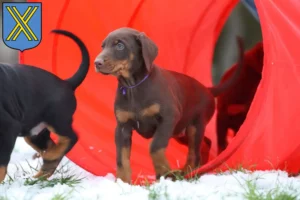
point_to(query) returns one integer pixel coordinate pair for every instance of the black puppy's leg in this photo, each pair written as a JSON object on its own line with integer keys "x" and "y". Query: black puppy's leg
{"x": 43, "y": 142}
{"x": 59, "y": 120}
{"x": 8, "y": 135}
{"x": 222, "y": 122}
{"x": 123, "y": 135}
{"x": 40, "y": 142}
{"x": 194, "y": 134}
{"x": 7, "y": 142}
{"x": 67, "y": 138}
{"x": 158, "y": 147}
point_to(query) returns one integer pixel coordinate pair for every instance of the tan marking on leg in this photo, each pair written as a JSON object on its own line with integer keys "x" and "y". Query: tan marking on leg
{"x": 160, "y": 162}
{"x": 41, "y": 174}
{"x": 2, "y": 173}
{"x": 151, "y": 110}
{"x": 191, "y": 157}
{"x": 56, "y": 151}
{"x": 123, "y": 116}
{"x": 124, "y": 172}
{"x": 47, "y": 169}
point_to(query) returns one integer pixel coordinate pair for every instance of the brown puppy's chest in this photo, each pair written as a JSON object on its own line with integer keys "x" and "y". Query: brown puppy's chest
{"x": 144, "y": 119}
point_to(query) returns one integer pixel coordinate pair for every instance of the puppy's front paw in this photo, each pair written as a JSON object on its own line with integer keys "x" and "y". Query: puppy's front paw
{"x": 48, "y": 168}
{"x": 124, "y": 175}
{"x": 3, "y": 171}
{"x": 174, "y": 175}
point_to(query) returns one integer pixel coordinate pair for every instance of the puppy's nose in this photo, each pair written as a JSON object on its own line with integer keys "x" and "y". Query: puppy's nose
{"x": 99, "y": 62}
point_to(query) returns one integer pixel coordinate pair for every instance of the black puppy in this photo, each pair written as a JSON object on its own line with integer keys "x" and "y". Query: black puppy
{"x": 156, "y": 102}
{"x": 33, "y": 102}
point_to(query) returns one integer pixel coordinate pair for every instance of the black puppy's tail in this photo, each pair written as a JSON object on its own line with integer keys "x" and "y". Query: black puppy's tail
{"x": 81, "y": 73}
{"x": 220, "y": 88}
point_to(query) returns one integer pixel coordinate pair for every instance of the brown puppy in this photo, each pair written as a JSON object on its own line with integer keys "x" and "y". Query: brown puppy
{"x": 157, "y": 103}
{"x": 233, "y": 105}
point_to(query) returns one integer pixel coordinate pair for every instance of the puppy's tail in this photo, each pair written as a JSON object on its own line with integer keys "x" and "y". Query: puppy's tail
{"x": 81, "y": 73}
{"x": 223, "y": 87}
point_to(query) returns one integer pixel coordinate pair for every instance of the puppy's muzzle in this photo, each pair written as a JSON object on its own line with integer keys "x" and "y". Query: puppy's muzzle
{"x": 99, "y": 62}
{"x": 99, "y": 66}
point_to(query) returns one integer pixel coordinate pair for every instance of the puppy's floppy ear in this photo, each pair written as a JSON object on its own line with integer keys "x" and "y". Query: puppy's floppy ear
{"x": 149, "y": 50}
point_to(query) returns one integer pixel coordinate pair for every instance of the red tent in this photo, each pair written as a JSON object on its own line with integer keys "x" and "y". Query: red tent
{"x": 186, "y": 33}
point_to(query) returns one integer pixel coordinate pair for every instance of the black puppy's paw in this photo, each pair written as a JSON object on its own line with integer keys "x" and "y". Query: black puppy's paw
{"x": 48, "y": 168}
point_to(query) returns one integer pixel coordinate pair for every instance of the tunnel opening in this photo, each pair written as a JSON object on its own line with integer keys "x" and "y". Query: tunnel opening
{"x": 232, "y": 107}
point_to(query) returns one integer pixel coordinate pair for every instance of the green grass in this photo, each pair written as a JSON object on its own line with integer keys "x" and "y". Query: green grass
{"x": 69, "y": 180}
{"x": 251, "y": 190}
{"x": 63, "y": 176}
{"x": 61, "y": 197}
{"x": 157, "y": 193}
{"x": 253, "y": 193}
{"x": 238, "y": 168}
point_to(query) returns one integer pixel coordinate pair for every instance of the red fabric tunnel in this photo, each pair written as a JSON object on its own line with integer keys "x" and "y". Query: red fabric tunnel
{"x": 186, "y": 33}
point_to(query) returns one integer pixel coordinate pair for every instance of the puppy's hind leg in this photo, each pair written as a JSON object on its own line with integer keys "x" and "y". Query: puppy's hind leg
{"x": 40, "y": 142}
{"x": 59, "y": 119}
{"x": 52, "y": 156}
{"x": 67, "y": 138}
{"x": 8, "y": 135}
{"x": 7, "y": 142}
{"x": 194, "y": 133}
{"x": 43, "y": 142}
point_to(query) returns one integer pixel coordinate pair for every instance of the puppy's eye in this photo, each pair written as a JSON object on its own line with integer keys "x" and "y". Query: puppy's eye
{"x": 120, "y": 46}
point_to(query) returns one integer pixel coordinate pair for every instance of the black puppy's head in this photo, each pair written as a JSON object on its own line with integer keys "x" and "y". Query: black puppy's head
{"x": 124, "y": 52}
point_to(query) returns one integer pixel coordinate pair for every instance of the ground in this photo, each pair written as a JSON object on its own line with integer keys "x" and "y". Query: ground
{"x": 72, "y": 182}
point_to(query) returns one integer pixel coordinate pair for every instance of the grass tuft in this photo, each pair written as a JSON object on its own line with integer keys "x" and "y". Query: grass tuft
{"x": 253, "y": 193}
{"x": 69, "y": 180}
{"x": 63, "y": 176}
{"x": 238, "y": 168}
{"x": 158, "y": 193}
{"x": 60, "y": 197}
